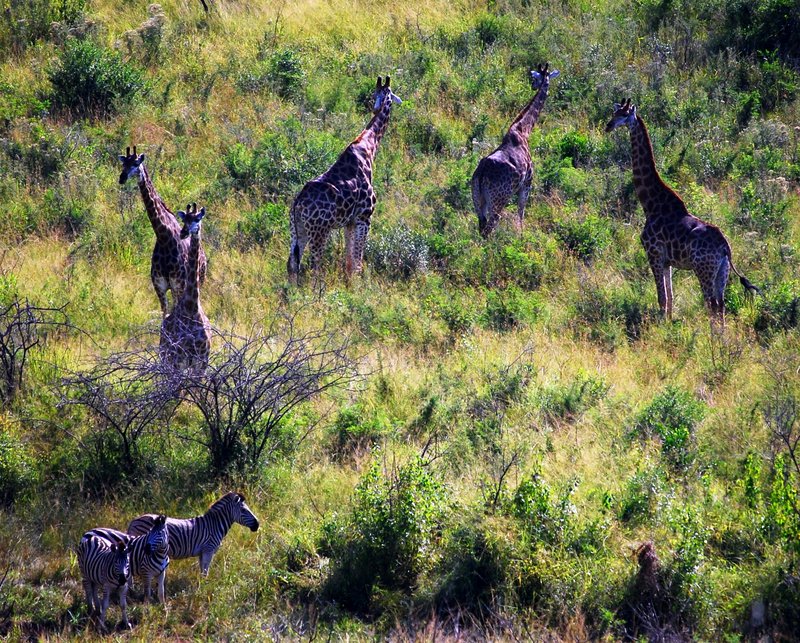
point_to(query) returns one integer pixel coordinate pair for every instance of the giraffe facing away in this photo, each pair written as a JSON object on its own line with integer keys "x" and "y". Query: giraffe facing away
{"x": 507, "y": 171}
{"x": 672, "y": 237}
{"x": 185, "y": 332}
{"x": 168, "y": 264}
{"x": 341, "y": 197}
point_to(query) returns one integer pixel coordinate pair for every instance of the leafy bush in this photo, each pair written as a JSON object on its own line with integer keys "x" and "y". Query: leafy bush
{"x": 26, "y": 21}
{"x": 612, "y": 315}
{"x": 17, "y": 472}
{"x": 587, "y": 237}
{"x": 672, "y": 416}
{"x": 637, "y": 503}
{"x": 261, "y": 225}
{"x": 283, "y": 160}
{"x": 357, "y": 429}
{"x": 388, "y": 539}
{"x": 88, "y": 80}
{"x": 546, "y": 519}
{"x": 398, "y": 253}
{"x": 280, "y": 71}
{"x": 509, "y": 308}
{"x": 567, "y": 402}
{"x": 778, "y": 310}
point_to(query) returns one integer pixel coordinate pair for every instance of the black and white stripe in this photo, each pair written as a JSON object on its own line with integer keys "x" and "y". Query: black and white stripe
{"x": 105, "y": 565}
{"x": 201, "y": 536}
{"x": 149, "y": 552}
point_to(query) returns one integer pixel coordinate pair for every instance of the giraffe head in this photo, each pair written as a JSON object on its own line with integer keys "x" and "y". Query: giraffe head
{"x": 191, "y": 220}
{"x": 130, "y": 164}
{"x": 383, "y": 94}
{"x": 624, "y": 114}
{"x": 541, "y": 74}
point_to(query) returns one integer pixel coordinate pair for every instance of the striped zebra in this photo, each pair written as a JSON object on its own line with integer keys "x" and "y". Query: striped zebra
{"x": 107, "y": 566}
{"x": 148, "y": 552}
{"x": 201, "y": 536}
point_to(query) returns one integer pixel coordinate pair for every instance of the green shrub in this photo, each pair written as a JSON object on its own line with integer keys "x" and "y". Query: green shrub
{"x": 672, "y": 417}
{"x": 280, "y": 71}
{"x": 26, "y": 21}
{"x": 509, "y": 308}
{"x": 545, "y": 518}
{"x": 283, "y": 160}
{"x": 763, "y": 208}
{"x": 586, "y": 238}
{"x": 567, "y": 402}
{"x": 778, "y": 310}
{"x": 388, "y": 539}
{"x": 638, "y": 501}
{"x": 261, "y": 225}
{"x": 88, "y": 80}
{"x": 357, "y": 428}
{"x": 17, "y": 472}
{"x": 612, "y": 315}
{"x": 398, "y": 253}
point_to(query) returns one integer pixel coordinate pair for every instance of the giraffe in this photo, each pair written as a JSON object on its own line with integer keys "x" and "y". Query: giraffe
{"x": 673, "y": 238}
{"x": 185, "y": 332}
{"x": 168, "y": 264}
{"x": 507, "y": 170}
{"x": 341, "y": 197}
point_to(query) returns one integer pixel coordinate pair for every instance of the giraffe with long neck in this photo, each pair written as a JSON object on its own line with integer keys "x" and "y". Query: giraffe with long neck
{"x": 341, "y": 197}
{"x": 507, "y": 171}
{"x": 168, "y": 263}
{"x": 186, "y": 332}
{"x": 672, "y": 237}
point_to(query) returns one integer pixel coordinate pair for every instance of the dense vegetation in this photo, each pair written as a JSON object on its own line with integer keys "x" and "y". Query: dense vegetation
{"x": 509, "y": 442}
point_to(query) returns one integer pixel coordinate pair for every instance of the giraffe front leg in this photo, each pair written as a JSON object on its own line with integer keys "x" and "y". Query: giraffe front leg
{"x": 161, "y": 286}
{"x": 668, "y": 290}
{"x": 349, "y": 250}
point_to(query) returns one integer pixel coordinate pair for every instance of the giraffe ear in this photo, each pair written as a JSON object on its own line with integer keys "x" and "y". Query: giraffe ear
{"x": 140, "y": 160}
{"x": 123, "y": 158}
{"x": 617, "y": 107}
{"x": 555, "y": 73}
{"x": 181, "y": 215}
{"x": 202, "y": 213}
{"x": 379, "y": 84}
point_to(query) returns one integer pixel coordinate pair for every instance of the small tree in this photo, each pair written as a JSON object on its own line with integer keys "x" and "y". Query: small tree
{"x": 253, "y": 382}
{"x": 23, "y": 327}
{"x": 126, "y": 393}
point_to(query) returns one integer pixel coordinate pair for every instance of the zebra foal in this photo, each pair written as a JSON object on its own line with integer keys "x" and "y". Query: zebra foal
{"x": 149, "y": 552}
{"x": 201, "y": 536}
{"x": 104, "y": 565}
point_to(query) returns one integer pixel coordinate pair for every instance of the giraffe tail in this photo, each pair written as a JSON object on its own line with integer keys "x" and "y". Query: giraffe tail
{"x": 749, "y": 288}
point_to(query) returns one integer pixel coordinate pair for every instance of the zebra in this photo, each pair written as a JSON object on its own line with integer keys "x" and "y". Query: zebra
{"x": 201, "y": 536}
{"x": 104, "y": 565}
{"x": 148, "y": 552}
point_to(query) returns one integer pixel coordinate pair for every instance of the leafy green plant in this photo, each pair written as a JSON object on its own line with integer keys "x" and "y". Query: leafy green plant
{"x": 88, "y": 80}
{"x": 399, "y": 252}
{"x": 17, "y": 471}
{"x": 545, "y": 518}
{"x": 357, "y": 428}
{"x": 568, "y": 401}
{"x": 672, "y": 416}
{"x": 388, "y": 539}
{"x": 261, "y": 225}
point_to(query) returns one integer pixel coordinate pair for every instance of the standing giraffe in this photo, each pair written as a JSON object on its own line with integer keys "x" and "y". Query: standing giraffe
{"x": 342, "y": 197}
{"x": 672, "y": 237}
{"x": 168, "y": 265}
{"x": 507, "y": 170}
{"x": 185, "y": 332}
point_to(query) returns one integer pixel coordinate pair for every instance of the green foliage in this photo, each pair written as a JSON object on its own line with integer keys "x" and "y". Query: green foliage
{"x": 509, "y": 308}
{"x": 357, "y": 428}
{"x": 546, "y": 519}
{"x": 17, "y": 470}
{"x": 26, "y": 21}
{"x": 642, "y": 492}
{"x": 784, "y": 509}
{"x": 280, "y": 71}
{"x": 586, "y": 238}
{"x": 567, "y": 402}
{"x": 388, "y": 539}
{"x": 398, "y": 253}
{"x": 88, "y": 80}
{"x": 672, "y": 416}
{"x": 282, "y": 161}
{"x": 778, "y": 309}
{"x": 612, "y": 315}
{"x": 259, "y": 226}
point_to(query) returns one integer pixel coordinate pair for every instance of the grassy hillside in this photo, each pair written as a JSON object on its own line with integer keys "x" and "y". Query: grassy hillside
{"x": 518, "y": 445}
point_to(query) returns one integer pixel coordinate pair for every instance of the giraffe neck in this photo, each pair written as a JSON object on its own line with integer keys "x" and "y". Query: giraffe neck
{"x": 190, "y": 299}
{"x": 655, "y": 196}
{"x": 527, "y": 118}
{"x": 164, "y": 224}
{"x": 372, "y": 134}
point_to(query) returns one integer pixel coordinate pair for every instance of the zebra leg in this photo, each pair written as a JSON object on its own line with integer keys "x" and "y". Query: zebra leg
{"x": 205, "y": 561}
{"x": 104, "y": 606}
{"x": 88, "y": 587}
{"x": 148, "y": 590}
{"x": 123, "y": 604}
{"x": 161, "y": 593}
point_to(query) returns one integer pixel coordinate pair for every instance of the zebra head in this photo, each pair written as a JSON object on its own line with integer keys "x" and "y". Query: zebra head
{"x": 241, "y": 513}
{"x": 157, "y": 542}
{"x": 121, "y": 566}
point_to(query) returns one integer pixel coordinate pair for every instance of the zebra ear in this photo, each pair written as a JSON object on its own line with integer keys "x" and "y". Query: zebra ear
{"x": 160, "y": 520}
{"x": 240, "y": 497}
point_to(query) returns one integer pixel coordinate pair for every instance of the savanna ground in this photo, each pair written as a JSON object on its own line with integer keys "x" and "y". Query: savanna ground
{"x": 519, "y": 446}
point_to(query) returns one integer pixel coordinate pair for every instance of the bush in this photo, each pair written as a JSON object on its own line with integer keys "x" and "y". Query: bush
{"x": 357, "y": 429}
{"x": 672, "y": 416}
{"x": 567, "y": 402}
{"x": 279, "y": 71}
{"x": 546, "y": 519}
{"x": 585, "y": 238}
{"x": 261, "y": 225}
{"x": 509, "y": 308}
{"x": 26, "y": 21}
{"x": 778, "y": 310}
{"x": 399, "y": 253}
{"x": 387, "y": 541}
{"x": 89, "y": 81}
{"x": 17, "y": 472}
{"x": 638, "y": 501}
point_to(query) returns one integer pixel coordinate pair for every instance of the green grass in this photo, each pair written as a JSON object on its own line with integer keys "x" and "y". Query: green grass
{"x": 525, "y": 420}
